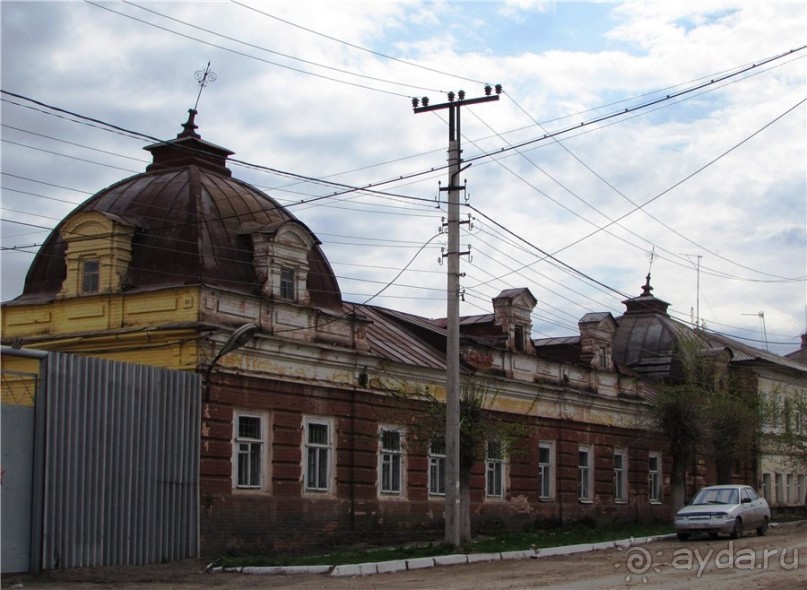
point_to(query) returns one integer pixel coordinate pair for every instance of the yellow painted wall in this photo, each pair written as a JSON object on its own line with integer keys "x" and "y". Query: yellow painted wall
{"x": 131, "y": 328}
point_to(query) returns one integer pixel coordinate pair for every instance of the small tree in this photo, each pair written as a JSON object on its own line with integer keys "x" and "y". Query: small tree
{"x": 706, "y": 409}
{"x": 679, "y": 416}
{"x": 784, "y": 416}
{"x": 478, "y": 425}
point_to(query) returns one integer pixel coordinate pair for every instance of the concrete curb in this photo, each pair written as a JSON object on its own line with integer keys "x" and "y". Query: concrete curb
{"x": 399, "y": 565}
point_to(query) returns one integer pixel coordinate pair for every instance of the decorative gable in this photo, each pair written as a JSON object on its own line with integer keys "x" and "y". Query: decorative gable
{"x": 597, "y": 340}
{"x": 99, "y": 250}
{"x": 512, "y": 311}
{"x": 280, "y": 258}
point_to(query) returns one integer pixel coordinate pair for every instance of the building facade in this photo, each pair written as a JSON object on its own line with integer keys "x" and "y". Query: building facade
{"x": 315, "y": 431}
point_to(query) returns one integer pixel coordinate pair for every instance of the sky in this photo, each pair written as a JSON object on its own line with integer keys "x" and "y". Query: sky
{"x": 632, "y": 137}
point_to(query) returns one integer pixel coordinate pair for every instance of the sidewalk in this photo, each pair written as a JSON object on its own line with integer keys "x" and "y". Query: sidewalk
{"x": 399, "y": 565}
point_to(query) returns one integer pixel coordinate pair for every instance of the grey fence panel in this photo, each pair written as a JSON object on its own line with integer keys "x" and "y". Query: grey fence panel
{"x": 16, "y": 476}
{"x": 121, "y": 481}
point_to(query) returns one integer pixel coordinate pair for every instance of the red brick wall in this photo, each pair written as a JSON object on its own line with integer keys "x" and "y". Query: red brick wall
{"x": 282, "y": 518}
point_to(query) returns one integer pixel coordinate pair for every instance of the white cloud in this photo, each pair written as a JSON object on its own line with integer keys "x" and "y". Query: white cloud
{"x": 745, "y": 213}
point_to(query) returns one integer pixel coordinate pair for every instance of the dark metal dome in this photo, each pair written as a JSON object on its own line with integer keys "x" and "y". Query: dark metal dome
{"x": 188, "y": 216}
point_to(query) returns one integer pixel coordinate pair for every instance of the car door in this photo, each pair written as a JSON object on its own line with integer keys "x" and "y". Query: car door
{"x": 751, "y": 510}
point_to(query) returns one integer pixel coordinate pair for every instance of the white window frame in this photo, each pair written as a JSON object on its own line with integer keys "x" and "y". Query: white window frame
{"x": 437, "y": 467}
{"x": 621, "y": 476}
{"x": 90, "y": 279}
{"x": 390, "y": 460}
{"x": 792, "y": 493}
{"x": 546, "y": 470}
{"x": 585, "y": 473}
{"x": 655, "y": 478}
{"x": 248, "y": 445}
{"x": 288, "y": 289}
{"x": 494, "y": 470}
{"x": 779, "y": 489}
{"x": 321, "y": 453}
{"x": 767, "y": 491}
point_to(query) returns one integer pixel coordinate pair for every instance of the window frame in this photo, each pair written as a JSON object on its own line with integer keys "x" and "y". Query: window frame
{"x": 621, "y": 476}
{"x": 546, "y": 471}
{"x": 288, "y": 283}
{"x": 390, "y": 459}
{"x": 519, "y": 338}
{"x": 262, "y": 444}
{"x": 655, "y": 478}
{"x": 494, "y": 471}
{"x": 93, "y": 276}
{"x": 585, "y": 474}
{"x": 437, "y": 463}
{"x": 318, "y": 449}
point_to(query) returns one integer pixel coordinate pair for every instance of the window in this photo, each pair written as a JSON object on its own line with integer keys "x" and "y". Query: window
{"x": 800, "y": 490}
{"x": 620, "y": 476}
{"x": 391, "y": 456}
{"x": 779, "y": 489}
{"x": 766, "y": 487}
{"x": 546, "y": 477}
{"x": 318, "y": 454}
{"x": 585, "y": 474}
{"x": 437, "y": 467}
{"x": 654, "y": 477}
{"x": 602, "y": 357}
{"x": 792, "y": 494}
{"x": 249, "y": 443}
{"x": 287, "y": 287}
{"x": 519, "y": 338}
{"x": 90, "y": 276}
{"x": 494, "y": 474}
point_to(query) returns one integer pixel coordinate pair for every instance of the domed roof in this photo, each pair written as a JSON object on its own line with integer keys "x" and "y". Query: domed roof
{"x": 647, "y": 339}
{"x": 191, "y": 223}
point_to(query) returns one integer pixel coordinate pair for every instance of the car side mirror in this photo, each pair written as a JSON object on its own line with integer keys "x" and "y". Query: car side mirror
{"x": 746, "y": 501}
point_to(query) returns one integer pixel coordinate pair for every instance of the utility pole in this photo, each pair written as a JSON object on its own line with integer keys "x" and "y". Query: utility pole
{"x": 452, "y": 436}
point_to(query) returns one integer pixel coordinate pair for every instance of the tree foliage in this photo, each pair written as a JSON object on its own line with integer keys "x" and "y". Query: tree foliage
{"x": 479, "y": 424}
{"x": 707, "y": 410}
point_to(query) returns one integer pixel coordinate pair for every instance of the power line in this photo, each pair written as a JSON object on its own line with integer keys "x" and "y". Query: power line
{"x": 242, "y": 54}
{"x": 377, "y": 53}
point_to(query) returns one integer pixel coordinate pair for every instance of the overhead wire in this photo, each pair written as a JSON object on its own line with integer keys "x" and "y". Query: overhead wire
{"x": 242, "y": 54}
{"x": 354, "y": 46}
{"x": 393, "y": 180}
{"x": 261, "y": 48}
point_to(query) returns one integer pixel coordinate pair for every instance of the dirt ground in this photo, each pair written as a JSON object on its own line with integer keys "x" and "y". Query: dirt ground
{"x": 777, "y": 561}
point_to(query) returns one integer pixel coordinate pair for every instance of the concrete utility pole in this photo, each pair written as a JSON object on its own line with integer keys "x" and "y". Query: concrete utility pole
{"x": 452, "y": 436}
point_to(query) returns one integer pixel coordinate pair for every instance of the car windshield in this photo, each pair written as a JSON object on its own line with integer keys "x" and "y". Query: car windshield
{"x": 716, "y": 496}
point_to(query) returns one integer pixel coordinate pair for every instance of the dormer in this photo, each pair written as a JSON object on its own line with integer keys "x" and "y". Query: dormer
{"x": 99, "y": 250}
{"x": 512, "y": 311}
{"x": 597, "y": 340}
{"x": 280, "y": 258}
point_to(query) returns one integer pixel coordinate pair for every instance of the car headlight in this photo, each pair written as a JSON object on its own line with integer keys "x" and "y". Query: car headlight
{"x": 720, "y": 516}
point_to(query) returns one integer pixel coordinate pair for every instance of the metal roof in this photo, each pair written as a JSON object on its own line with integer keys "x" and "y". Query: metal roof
{"x": 399, "y": 337}
{"x": 188, "y": 214}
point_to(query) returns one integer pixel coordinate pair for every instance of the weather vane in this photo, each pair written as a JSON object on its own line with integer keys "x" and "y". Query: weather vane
{"x": 203, "y": 77}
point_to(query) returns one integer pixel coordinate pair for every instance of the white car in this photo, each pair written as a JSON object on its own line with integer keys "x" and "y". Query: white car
{"x": 726, "y": 509}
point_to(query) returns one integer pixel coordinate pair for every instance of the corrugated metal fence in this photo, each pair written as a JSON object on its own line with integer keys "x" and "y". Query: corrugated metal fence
{"x": 118, "y": 475}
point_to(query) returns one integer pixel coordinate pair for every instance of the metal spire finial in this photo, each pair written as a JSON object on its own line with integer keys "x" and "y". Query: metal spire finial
{"x": 203, "y": 77}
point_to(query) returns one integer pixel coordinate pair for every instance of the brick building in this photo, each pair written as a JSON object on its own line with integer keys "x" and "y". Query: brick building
{"x": 312, "y": 433}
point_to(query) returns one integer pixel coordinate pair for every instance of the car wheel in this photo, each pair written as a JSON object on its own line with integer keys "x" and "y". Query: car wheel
{"x": 738, "y": 529}
{"x": 763, "y": 528}
{"x": 683, "y": 536}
